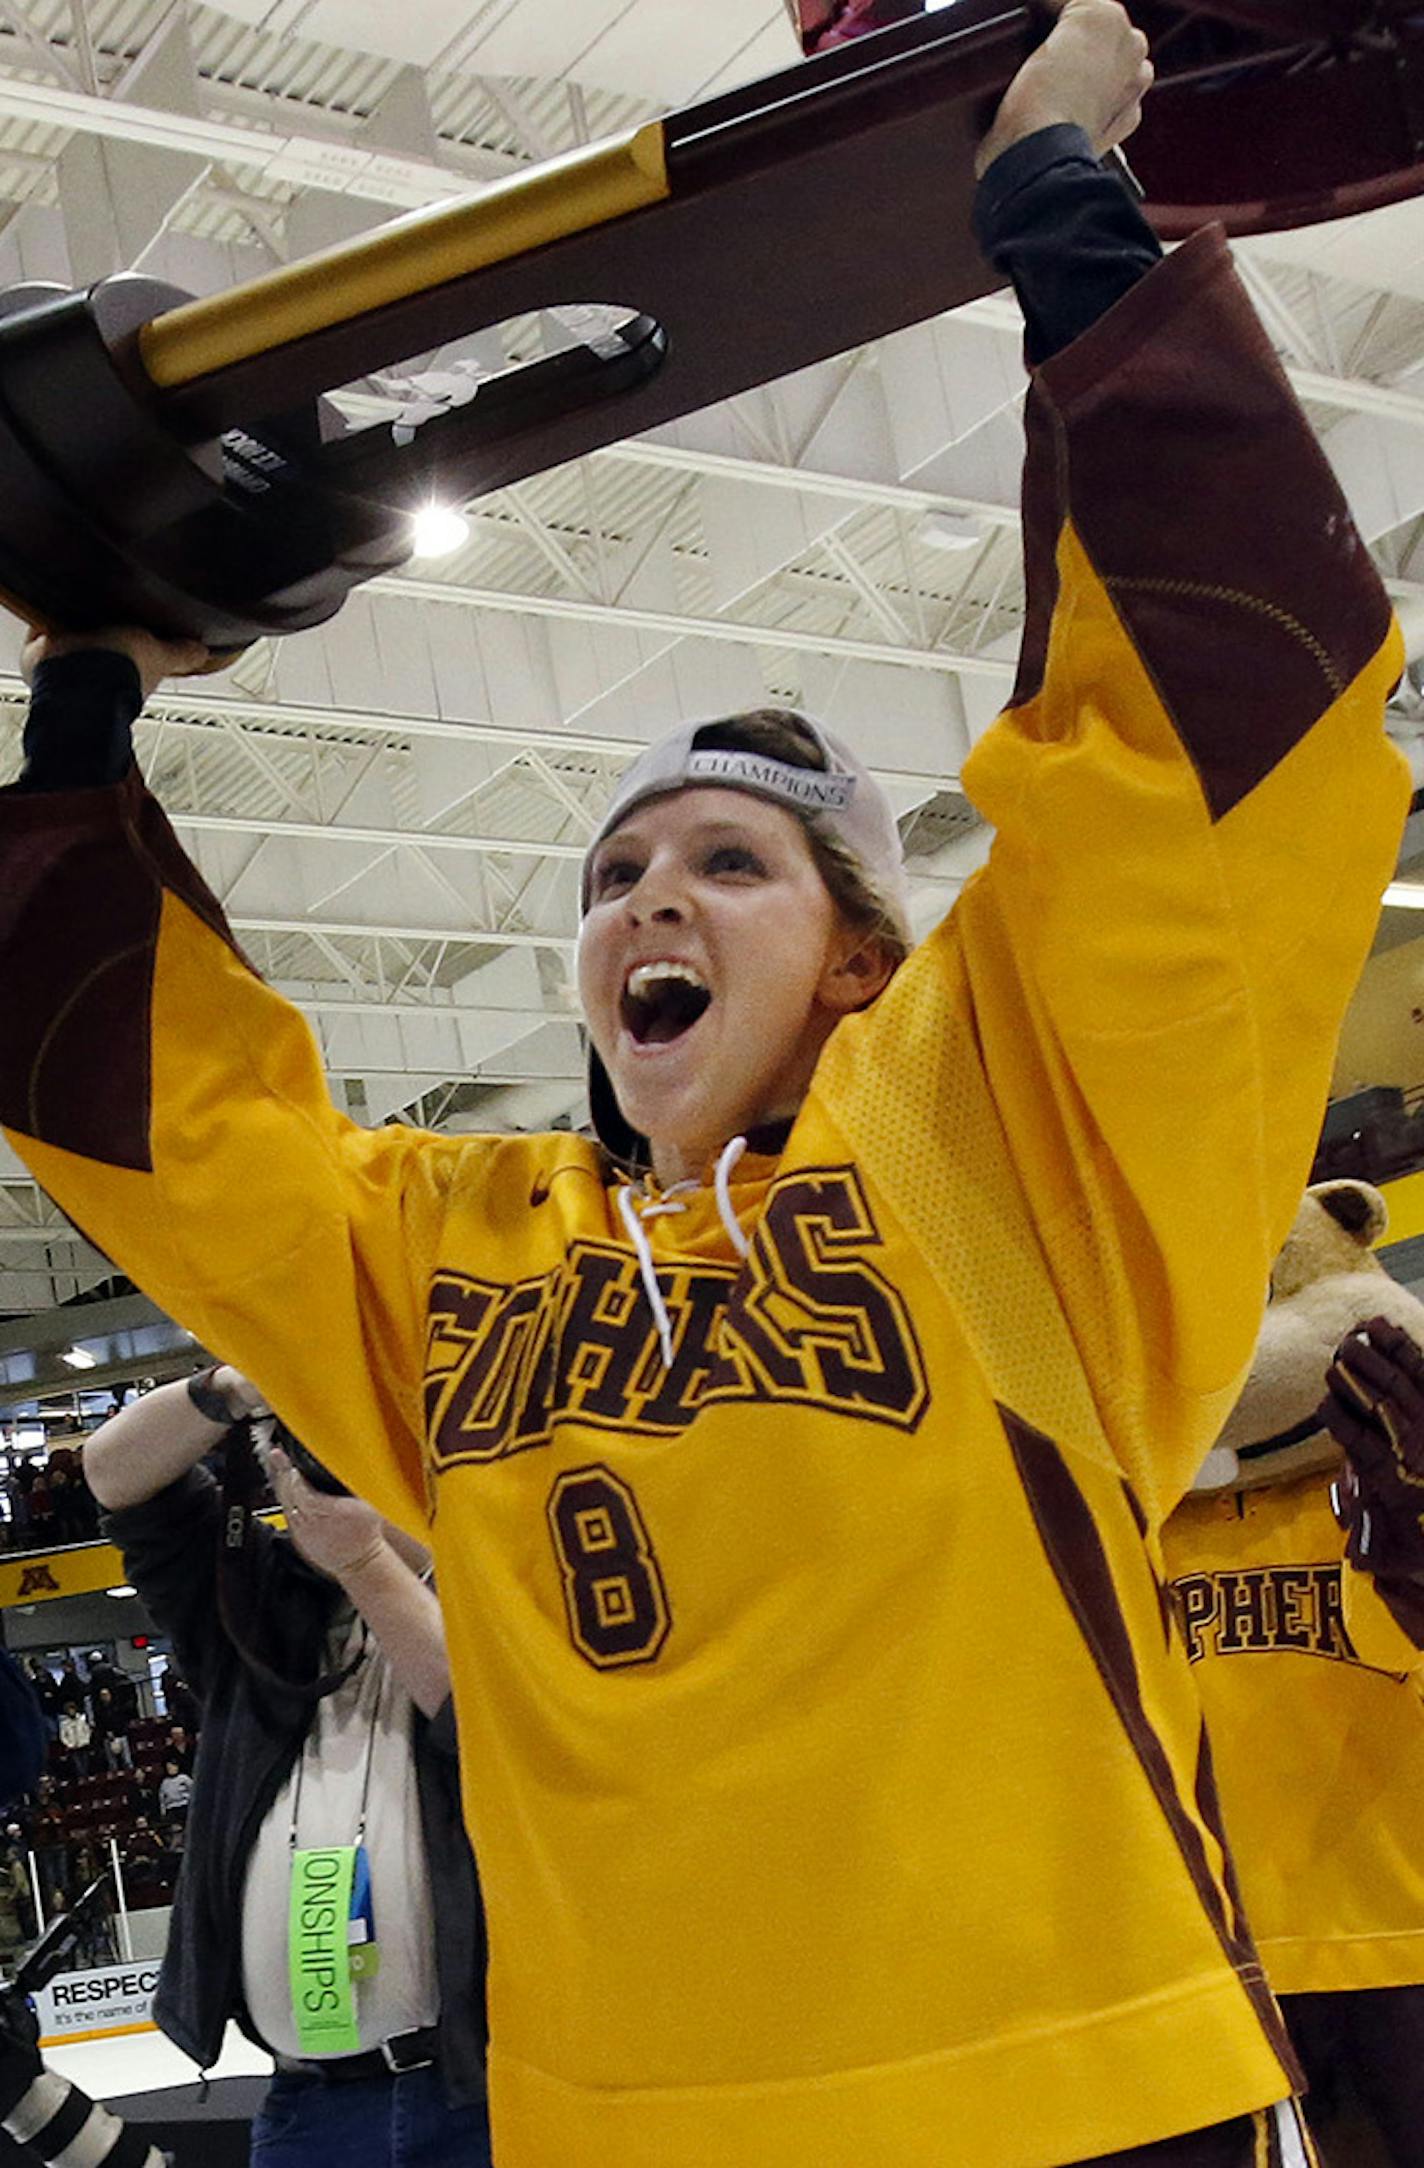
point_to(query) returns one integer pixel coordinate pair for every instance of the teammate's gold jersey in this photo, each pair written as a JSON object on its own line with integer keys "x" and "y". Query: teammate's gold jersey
{"x": 834, "y": 1770}
{"x": 1319, "y": 1753}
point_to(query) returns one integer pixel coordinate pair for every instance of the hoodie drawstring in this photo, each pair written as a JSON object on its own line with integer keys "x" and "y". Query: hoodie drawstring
{"x": 634, "y": 1208}
{"x": 634, "y": 1211}
{"x": 722, "y": 1183}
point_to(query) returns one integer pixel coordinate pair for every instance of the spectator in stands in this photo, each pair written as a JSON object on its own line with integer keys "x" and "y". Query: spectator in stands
{"x": 322, "y": 1659}
{"x": 46, "y": 1687}
{"x": 175, "y": 1792}
{"x": 15, "y": 1844}
{"x": 51, "y": 1853}
{"x": 143, "y": 1841}
{"x": 71, "y": 1686}
{"x": 181, "y": 1747}
{"x": 17, "y": 1500}
{"x": 17, "y": 1912}
{"x": 111, "y": 1730}
{"x": 166, "y": 1683}
{"x": 182, "y": 1702}
{"x": 41, "y": 1512}
{"x": 146, "y": 1865}
{"x": 76, "y": 1737}
{"x": 14, "y": 1891}
{"x": 104, "y": 1674}
{"x": 65, "y": 1505}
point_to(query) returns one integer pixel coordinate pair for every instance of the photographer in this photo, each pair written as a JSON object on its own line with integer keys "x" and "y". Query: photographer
{"x": 326, "y": 1731}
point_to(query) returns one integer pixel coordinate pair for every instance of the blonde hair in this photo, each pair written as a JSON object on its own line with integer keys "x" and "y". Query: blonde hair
{"x": 782, "y": 734}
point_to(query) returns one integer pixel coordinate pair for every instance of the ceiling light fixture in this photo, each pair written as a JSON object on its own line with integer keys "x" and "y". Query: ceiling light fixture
{"x": 437, "y": 530}
{"x": 1405, "y": 895}
{"x": 122, "y": 1589}
{"x": 951, "y": 531}
{"x": 79, "y": 1358}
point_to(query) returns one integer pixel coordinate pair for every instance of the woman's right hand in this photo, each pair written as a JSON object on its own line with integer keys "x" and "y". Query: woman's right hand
{"x": 153, "y": 657}
{"x": 1093, "y": 69}
{"x": 239, "y": 1392}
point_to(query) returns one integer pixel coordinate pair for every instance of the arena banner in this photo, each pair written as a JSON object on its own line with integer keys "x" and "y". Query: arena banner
{"x": 78, "y": 1570}
{"x": 97, "y": 2005}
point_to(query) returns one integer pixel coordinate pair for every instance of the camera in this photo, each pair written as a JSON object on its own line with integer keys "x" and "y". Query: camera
{"x": 269, "y": 1431}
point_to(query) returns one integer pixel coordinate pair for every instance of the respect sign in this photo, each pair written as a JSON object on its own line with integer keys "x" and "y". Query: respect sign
{"x": 81, "y": 2005}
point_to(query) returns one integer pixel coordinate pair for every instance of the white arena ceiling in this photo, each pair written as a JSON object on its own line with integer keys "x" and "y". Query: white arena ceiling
{"x": 392, "y": 808}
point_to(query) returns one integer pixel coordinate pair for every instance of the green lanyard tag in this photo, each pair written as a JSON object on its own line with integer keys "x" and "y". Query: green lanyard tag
{"x": 319, "y": 1957}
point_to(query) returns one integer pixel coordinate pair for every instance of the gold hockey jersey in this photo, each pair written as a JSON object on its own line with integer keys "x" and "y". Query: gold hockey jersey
{"x": 834, "y": 1770}
{"x": 1319, "y": 1753}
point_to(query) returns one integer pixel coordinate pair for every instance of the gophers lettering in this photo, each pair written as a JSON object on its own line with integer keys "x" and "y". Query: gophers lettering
{"x": 809, "y": 1318}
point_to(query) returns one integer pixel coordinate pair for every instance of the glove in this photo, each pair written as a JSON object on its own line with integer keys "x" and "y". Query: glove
{"x": 1374, "y": 1409}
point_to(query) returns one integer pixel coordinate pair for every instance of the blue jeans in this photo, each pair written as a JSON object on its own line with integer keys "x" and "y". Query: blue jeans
{"x": 385, "y": 2122}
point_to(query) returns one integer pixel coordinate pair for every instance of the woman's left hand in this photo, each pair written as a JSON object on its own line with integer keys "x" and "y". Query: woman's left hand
{"x": 337, "y": 1535}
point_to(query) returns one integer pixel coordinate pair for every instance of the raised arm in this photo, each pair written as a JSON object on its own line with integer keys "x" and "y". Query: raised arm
{"x": 212, "y": 1165}
{"x": 164, "y": 1510}
{"x": 1196, "y": 811}
{"x": 1135, "y": 1006}
{"x": 152, "y": 1442}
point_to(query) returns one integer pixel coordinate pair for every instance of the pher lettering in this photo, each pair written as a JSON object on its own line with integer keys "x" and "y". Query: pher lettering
{"x": 809, "y": 1318}
{"x": 1253, "y": 1609}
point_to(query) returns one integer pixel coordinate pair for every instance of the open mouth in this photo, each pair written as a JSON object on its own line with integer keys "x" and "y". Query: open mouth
{"x": 662, "y": 1001}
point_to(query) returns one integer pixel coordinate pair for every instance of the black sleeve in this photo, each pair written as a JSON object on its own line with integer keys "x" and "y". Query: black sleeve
{"x": 79, "y": 733}
{"x": 1067, "y": 232}
{"x": 440, "y": 1731}
{"x": 170, "y": 1547}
